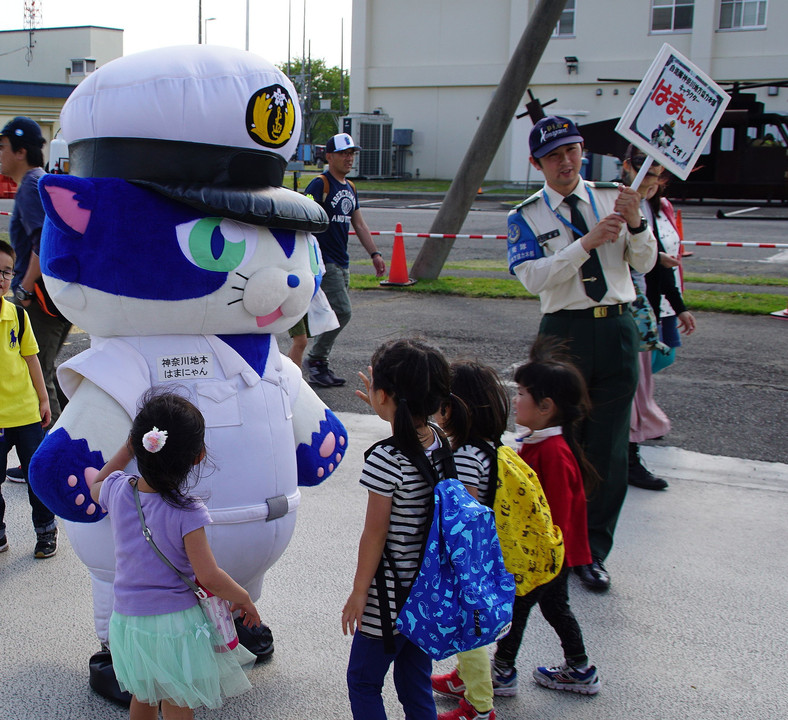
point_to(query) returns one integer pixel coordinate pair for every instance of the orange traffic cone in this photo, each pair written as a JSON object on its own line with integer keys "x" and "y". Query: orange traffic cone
{"x": 398, "y": 271}
{"x": 680, "y": 228}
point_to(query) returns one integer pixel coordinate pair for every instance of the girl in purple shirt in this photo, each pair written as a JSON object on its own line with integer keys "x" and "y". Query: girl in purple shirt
{"x": 161, "y": 643}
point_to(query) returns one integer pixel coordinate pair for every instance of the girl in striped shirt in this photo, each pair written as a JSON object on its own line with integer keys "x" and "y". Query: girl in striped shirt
{"x": 408, "y": 380}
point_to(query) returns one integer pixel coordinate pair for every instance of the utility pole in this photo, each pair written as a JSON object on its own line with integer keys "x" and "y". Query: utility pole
{"x": 247, "y": 27}
{"x": 342, "y": 67}
{"x": 199, "y": 22}
{"x": 32, "y": 22}
{"x": 488, "y": 138}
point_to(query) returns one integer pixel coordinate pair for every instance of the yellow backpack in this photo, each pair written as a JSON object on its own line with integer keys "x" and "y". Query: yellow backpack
{"x": 532, "y": 547}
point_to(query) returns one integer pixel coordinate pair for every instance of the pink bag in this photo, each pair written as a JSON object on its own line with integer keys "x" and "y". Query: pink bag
{"x": 217, "y": 611}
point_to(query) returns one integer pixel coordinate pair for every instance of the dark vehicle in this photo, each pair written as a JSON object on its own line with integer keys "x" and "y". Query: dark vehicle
{"x": 319, "y": 156}
{"x": 746, "y": 158}
{"x": 311, "y": 155}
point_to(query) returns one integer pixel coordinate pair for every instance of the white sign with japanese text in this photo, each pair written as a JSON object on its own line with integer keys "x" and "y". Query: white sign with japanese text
{"x": 673, "y": 113}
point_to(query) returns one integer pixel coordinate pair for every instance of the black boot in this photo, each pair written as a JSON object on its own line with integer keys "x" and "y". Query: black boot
{"x": 639, "y": 476}
{"x": 103, "y": 680}
{"x": 257, "y": 640}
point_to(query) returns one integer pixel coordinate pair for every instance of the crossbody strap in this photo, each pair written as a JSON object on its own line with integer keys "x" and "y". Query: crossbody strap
{"x": 492, "y": 455}
{"x": 20, "y": 313}
{"x": 146, "y": 533}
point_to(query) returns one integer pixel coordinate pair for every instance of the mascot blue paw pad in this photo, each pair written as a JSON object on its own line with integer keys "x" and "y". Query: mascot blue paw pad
{"x": 318, "y": 460}
{"x": 59, "y": 475}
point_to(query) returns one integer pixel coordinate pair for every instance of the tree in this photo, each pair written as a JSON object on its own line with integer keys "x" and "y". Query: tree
{"x": 487, "y": 139}
{"x": 319, "y": 83}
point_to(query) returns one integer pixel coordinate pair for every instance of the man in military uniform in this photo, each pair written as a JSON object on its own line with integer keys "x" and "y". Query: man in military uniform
{"x": 573, "y": 243}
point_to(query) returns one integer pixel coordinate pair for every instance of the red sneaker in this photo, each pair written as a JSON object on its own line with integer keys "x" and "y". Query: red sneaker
{"x": 449, "y": 685}
{"x": 466, "y": 711}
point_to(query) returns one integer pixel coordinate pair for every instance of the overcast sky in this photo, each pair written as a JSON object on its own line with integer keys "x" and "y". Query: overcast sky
{"x": 157, "y": 23}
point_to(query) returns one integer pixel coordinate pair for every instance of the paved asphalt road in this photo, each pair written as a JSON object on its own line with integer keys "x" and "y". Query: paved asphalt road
{"x": 726, "y": 394}
{"x": 692, "y": 628}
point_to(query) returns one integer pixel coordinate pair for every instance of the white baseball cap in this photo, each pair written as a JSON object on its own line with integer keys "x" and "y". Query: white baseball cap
{"x": 340, "y": 143}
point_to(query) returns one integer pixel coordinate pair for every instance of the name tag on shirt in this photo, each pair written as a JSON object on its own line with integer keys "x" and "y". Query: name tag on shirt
{"x": 185, "y": 367}
{"x": 542, "y": 239}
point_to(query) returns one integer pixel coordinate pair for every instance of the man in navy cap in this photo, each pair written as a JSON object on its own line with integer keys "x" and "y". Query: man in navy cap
{"x": 573, "y": 243}
{"x": 338, "y": 197}
{"x": 22, "y": 159}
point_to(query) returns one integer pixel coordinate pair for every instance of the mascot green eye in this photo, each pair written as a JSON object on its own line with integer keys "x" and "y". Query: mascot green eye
{"x": 216, "y": 244}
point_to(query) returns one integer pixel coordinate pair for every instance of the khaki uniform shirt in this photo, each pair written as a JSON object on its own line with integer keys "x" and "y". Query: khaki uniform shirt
{"x": 546, "y": 258}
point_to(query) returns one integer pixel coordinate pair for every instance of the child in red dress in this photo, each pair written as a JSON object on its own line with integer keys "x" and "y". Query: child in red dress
{"x": 551, "y": 401}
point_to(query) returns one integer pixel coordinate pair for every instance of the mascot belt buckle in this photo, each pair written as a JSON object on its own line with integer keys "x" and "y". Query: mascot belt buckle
{"x": 277, "y": 507}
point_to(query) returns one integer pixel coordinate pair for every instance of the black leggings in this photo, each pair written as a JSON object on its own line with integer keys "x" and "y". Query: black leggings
{"x": 553, "y": 599}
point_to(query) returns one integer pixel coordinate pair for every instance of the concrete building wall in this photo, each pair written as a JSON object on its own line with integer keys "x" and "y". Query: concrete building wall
{"x": 433, "y": 65}
{"x": 35, "y": 81}
{"x": 415, "y": 62}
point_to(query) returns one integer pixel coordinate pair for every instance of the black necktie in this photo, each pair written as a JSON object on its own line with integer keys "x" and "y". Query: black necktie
{"x": 591, "y": 270}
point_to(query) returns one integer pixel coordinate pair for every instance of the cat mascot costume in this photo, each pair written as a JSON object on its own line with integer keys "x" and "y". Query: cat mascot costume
{"x": 174, "y": 245}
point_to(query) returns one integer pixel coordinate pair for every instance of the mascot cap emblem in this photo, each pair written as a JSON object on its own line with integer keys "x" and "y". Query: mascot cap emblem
{"x": 270, "y": 116}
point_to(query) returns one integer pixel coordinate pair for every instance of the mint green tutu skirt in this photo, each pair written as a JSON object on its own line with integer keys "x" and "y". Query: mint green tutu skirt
{"x": 171, "y": 657}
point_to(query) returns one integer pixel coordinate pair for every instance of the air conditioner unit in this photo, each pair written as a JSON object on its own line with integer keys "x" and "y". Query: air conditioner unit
{"x": 373, "y": 132}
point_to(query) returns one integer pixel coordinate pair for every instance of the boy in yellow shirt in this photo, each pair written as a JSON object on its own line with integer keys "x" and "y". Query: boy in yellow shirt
{"x": 24, "y": 403}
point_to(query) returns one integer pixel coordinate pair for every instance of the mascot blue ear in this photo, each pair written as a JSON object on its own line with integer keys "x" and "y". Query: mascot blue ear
{"x": 68, "y": 202}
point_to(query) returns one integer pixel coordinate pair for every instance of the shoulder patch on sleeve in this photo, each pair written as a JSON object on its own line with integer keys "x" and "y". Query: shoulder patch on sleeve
{"x": 522, "y": 244}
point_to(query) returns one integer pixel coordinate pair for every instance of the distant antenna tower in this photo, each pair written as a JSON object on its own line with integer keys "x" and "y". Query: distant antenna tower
{"x": 32, "y": 22}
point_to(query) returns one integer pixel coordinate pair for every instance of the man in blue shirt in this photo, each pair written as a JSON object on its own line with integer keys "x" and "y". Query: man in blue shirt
{"x": 22, "y": 159}
{"x": 338, "y": 197}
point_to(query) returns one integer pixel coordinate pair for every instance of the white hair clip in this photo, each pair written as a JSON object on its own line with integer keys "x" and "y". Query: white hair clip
{"x": 154, "y": 440}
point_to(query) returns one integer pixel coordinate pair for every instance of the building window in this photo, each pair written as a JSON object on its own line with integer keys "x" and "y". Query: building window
{"x": 566, "y": 23}
{"x": 671, "y": 15}
{"x": 83, "y": 66}
{"x": 742, "y": 14}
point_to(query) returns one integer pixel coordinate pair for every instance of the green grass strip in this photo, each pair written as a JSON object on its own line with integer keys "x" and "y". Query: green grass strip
{"x": 734, "y": 302}
{"x": 728, "y": 302}
{"x": 706, "y": 278}
{"x": 447, "y": 285}
{"x": 725, "y": 279}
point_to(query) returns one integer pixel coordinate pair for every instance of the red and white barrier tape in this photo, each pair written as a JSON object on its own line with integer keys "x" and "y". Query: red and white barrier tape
{"x": 456, "y": 236}
{"x": 503, "y": 237}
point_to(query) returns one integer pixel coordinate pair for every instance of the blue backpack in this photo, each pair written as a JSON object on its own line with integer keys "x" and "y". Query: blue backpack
{"x": 463, "y": 595}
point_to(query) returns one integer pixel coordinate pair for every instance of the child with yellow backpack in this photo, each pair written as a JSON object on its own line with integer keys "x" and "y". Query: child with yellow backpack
{"x": 475, "y": 419}
{"x": 551, "y": 402}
